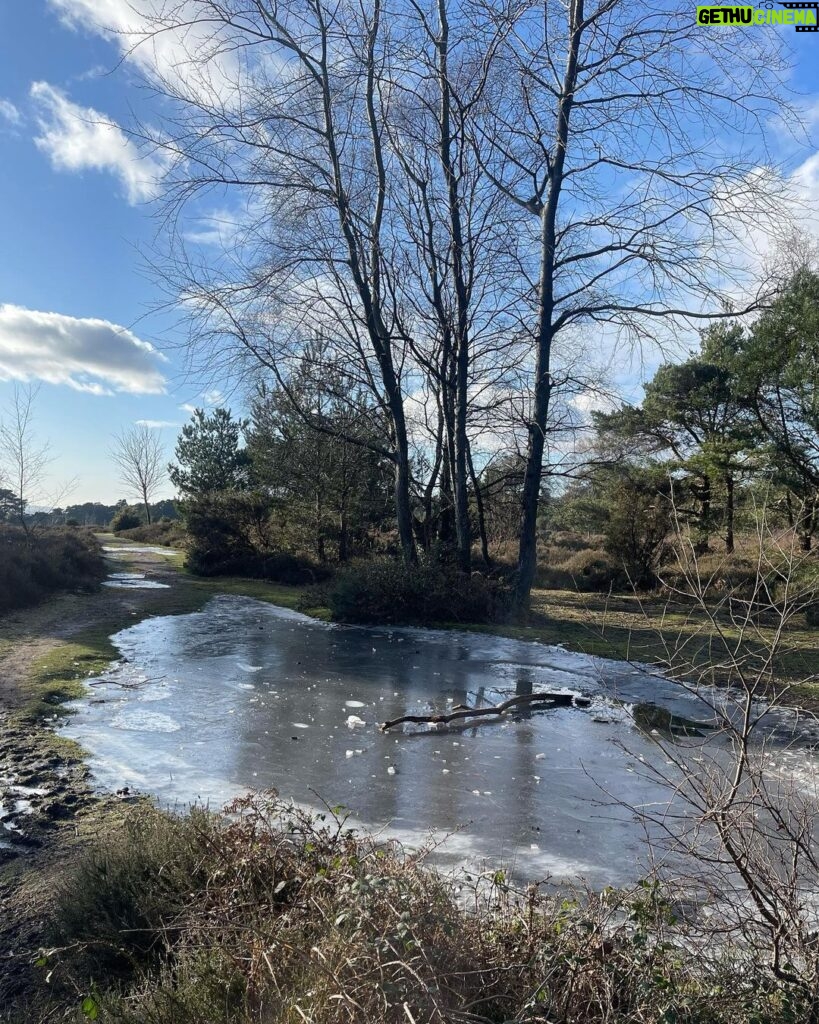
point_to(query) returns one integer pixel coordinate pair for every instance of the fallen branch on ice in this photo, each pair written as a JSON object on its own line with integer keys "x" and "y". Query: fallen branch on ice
{"x": 555, "y": 699}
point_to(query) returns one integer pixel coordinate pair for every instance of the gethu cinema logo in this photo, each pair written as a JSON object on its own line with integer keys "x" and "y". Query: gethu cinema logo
{"x": 802, "y": 16}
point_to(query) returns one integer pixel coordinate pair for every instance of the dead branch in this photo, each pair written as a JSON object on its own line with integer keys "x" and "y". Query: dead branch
{"x": 556, "y": 700}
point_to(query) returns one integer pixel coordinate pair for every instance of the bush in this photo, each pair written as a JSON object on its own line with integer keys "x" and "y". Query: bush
{"x": 386, "y": 591}
{"x": 639, "y": 524}
{"x": 125, "y": 519}
{"x": 124, "y": 894}
{"x": 226, "y": 530}
{"x": 229, "y": 535}
{"x": 34, "y": 566}
{"x": 596, "y": 571}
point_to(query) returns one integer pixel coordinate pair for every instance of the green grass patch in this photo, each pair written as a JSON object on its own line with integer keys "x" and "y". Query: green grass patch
{"x": 285, "y": 595}
{"x": 60, "y": 675}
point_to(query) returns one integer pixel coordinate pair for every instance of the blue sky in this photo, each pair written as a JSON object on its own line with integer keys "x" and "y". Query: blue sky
{"x": 71, "y": 246}
{"x": 75, "y": 300}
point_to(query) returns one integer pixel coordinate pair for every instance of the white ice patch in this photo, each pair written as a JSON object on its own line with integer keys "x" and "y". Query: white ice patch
{"x": 249, "y": 668}
{"x": 137, "y": 720}
{"x": 136, "y": 584}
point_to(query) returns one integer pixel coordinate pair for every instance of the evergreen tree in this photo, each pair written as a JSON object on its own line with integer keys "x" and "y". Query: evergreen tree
{"x": 210, "y": 455}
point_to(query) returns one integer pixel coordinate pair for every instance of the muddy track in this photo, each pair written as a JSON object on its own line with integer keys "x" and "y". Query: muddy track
{"x": 47, "y": 808}
{"x": 32, "y": 632}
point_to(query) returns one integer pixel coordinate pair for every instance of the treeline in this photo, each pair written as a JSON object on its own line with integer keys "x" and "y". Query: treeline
{"x": 720, "y": 436}
{"x": 95, "y": 513}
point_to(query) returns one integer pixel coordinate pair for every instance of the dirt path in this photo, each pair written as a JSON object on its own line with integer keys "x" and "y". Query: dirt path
{"x": 47, "y": 808}
{"x": 27, "y": 635}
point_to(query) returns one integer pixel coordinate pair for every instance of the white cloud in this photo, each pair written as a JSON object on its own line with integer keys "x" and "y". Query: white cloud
{"x": 95, "y": 356}
{"x": 156, "y": 424}
{"x": 79, "y": 138}
{"x": 167, "y": 42}
{"x": 10, "y": 113}
{"x": 220, "y": 227}
{"x": 207, "y": 400}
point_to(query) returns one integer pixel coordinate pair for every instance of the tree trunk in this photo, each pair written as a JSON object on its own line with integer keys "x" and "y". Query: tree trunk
{"x": 807, "y": 524}
{"x": 463, "y": 532}
{"x": 460, "y": 467}
{"x": 403, "y": 507}
{"x": 729, "y": 513}
{"x": 342, "y": 537}
{"x": 447, "y": 523}
{"x": 704, "y": 525}
{"x": 789, "y": 510}
{"x": 487, "y": 558}
{"x": 147, "y": 505}
{"x": 527, "y": 551}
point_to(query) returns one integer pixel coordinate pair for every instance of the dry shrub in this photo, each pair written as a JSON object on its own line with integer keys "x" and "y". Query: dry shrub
{"x": 588, "y": 570}
{"x": 268, "y": 915}
{"x": 387, "y": 591}
{"x": 33, "y": 566}
{"x": 166, "y": 532}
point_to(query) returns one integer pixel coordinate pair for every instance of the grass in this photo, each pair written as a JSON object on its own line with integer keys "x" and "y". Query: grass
{"x": 297, "y": 598}
{"x": 59, "y": 675}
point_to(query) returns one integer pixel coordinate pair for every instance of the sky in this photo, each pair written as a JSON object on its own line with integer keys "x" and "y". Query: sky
{"x": 78, "y": 307}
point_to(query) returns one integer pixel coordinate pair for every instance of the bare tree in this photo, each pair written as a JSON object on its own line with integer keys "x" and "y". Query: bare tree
{"x": 741, "y": 814}
{"x": 23, "y": 459}
{"x": 610, "y": 155}
{"x": 300, "y": 134}
{"x": 140, "y": 456}
{"x": 634, "y": 144}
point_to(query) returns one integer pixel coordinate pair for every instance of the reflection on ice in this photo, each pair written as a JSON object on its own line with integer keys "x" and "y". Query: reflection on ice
{"x": 543, "y": 791}
{"x": 138, "y": 549}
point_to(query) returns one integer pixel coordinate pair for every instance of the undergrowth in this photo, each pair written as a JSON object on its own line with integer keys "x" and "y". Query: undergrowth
{"x": 268, "y": 915}
{"x": 35, "y": 565}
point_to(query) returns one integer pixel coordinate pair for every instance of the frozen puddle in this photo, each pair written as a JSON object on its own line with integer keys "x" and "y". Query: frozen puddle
{"x": 138, "y": 549}
{"x": 133, "y": 581}
{"x": 543, "y": 792}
